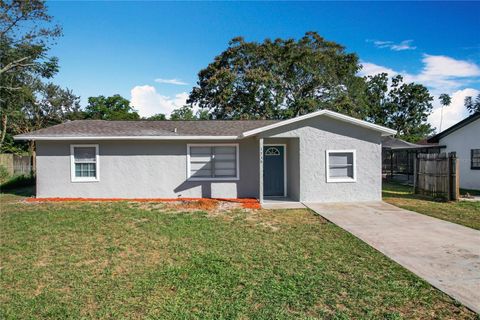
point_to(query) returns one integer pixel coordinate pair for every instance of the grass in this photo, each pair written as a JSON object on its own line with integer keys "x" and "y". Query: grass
{"x": 466, "y": 213}
{"x": 140, "y": 260}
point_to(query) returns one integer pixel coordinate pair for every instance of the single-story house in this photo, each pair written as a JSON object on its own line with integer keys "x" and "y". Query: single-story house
{"x": 320, "y": 157}
{"x": 463, "y": 138}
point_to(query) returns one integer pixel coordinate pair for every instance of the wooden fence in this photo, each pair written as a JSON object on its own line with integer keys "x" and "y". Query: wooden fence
{"x": 437, "y": 175}
{"x": 16, "y": 165}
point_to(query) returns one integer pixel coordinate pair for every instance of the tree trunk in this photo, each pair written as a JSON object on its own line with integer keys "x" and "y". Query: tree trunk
{"x": 4, "y": 129}
{"x": 33, "y": 154}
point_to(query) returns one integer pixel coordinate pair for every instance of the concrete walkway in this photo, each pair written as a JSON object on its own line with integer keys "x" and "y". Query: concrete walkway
{"x": 445, "y": 254}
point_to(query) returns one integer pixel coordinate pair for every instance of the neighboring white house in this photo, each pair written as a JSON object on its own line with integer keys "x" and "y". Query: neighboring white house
{"x": 463, "y": 138}
{"x": 322, "y": 156}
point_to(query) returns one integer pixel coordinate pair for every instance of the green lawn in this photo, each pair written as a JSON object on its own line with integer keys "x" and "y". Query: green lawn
{"x": 466, "y": 213}
{"x": 139, "y": 260}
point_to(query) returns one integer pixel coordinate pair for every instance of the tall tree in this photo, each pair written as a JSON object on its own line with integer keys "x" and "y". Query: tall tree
{"x": 26, "y": 31}
{"x": 279, "y": 79}
{"x": 445, "y": 101}
{"x": 202, "y": 115}
{"x": 376, "y": 96}
{"x": 400, "y": 106}
{"x": 471, "y": 105}
{"x": 110, "y": 108}
{"x": 46, "y": 105}
{"x": 183, "y": 113}
{"x": 158, "y": 116}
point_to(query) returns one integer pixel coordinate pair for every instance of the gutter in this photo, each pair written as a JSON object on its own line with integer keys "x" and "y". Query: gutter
{"x": 92, "y": 138}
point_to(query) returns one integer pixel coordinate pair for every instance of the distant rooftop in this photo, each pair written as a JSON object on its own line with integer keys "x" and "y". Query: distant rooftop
{"x": 392, "y": 143}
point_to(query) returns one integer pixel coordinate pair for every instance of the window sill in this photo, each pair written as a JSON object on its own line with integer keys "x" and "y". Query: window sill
{"x": 342, "y": 180}
{"x": 85, "y": 180}
{"x": 213, "y": 179}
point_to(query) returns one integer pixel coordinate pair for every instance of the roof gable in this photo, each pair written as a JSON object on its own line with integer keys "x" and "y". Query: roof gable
{"x": 327, "y": 113}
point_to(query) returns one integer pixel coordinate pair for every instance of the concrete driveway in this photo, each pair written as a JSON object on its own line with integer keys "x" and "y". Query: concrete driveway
{"x": 445, "y": 254}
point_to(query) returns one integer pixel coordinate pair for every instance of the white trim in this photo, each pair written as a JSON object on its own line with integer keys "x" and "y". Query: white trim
{"x": 335, "y": 115}
{"x": 284, "y": 165}
{"x": 260, "y": 170}
{"x": 327, "y": 167}
{"x": 73, "y": 178}
{"x": 237, "y": 148}
{"x": 80, "y": 138}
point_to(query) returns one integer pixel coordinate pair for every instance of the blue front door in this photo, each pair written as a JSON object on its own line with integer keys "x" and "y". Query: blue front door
{"x": 273, "y": 170}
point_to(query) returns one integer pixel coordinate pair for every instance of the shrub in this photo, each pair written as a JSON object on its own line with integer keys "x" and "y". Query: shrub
{"x": 18, "y": 182}
{"x": 4, "y": 175}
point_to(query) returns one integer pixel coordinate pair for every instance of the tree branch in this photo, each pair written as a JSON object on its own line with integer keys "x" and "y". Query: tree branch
{"x": 15, "y": 64}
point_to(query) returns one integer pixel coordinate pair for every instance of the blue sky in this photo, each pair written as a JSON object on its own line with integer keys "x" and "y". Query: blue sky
{"x": 123, "y": 47}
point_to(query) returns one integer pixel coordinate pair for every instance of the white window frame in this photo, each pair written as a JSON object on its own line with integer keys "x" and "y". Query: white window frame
{"x": 237, "y": 149}
{"x": 327, "y": 156}
{"x": 72, "y": 164}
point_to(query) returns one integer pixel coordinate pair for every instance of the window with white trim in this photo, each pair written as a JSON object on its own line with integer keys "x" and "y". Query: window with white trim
{"x": 84, "y": 162}
{"x": 213, "y": 162}
{"x": 341, "y": 166}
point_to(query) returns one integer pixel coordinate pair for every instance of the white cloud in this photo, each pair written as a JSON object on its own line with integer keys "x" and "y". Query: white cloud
{"x": 440, "y": 74}
{"x": 448, "y": 67}
{"x": 455, "y": 112}
{"x": 371, "y": 69}
{"x": 403, "y": 45}
{"x": 171, "y": 81}
{"x": 148, "y": 101}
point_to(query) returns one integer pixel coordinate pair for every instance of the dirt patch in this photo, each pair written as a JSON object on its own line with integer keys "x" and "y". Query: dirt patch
{"x": 182, "y": 203}
{"x": 201, "y": 204}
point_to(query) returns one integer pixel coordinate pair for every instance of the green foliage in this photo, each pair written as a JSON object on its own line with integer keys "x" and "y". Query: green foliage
{"x": 280, "y": 79}
{"x": 158, "y": 116}
{"x": 183, "y": 113}
{"x": 4, "y": 174}
{"x": 405, "y": 107}
{"x": 38, "y": 106}
{"x": 26, "y": 33}
{"x": 202, "y": 115}
{"x": 110, "y": 108}
{"x": 472, "y": 106}
{"x": 18, "y": 182}
{"x": 445, "y": 99}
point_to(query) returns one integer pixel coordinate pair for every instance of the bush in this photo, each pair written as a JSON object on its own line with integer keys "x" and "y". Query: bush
{"x": 18, "y": 182}
{"x": 4, "y": 175}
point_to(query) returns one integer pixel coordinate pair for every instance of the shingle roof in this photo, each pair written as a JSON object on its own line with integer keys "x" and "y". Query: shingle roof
{"x": 146, "y": 128}
{"x": 179, "y": 130}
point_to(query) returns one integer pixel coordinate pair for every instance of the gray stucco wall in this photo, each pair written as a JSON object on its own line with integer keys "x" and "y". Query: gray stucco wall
{"x": 462, "y": 142}
{"x": 316, "y": 135}
{"x": 140, "y": 169}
